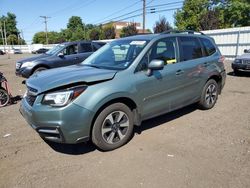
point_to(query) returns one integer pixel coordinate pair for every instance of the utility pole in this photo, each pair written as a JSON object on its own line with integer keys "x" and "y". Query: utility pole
{"x": 2, "y": 37}
{"x": 46, "y": 29}
{"x": 144, "y": 15}
{"x": 6, "y": 38}
{"x": 22, "y": 37}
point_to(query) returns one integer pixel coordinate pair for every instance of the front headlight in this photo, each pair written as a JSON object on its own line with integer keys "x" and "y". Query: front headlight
{"x": 62, "y": 98}
{"x": 28, "y": 64}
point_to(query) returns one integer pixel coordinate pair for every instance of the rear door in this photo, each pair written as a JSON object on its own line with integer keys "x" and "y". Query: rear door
{"x": 191, "y": 67}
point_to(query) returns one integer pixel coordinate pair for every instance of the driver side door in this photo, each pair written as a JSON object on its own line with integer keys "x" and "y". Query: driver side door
{"x": 157, "y": 92}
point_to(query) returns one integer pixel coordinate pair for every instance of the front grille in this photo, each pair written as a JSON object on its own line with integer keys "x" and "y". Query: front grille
{"x": 30, "y": 99}
{"x": 246, "y": 62}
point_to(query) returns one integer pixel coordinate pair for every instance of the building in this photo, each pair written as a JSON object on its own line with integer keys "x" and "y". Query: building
{"x": 119, "y": 25}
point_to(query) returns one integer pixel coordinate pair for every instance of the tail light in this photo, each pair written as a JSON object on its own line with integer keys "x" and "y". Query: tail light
{"x": 221, "y": 59}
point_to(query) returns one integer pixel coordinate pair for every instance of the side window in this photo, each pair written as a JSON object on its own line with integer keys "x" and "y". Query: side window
{"x": 190, "y": 48}
{"x": 164, "y": 49}
{"x": 85, "y": 47}
{"x": 208, "y": 46}
{"x": 69, "y": 50}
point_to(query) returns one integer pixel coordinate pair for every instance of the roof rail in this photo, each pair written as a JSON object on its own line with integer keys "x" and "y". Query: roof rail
{"x": 182, "y": 31}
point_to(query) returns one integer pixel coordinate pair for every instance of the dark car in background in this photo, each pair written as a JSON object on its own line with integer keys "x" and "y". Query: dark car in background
{"x": 40, "y": 51}
{"x": 2, "y": 52}
{"x": 65, "y": 54}
{"x": 242, "y": 62}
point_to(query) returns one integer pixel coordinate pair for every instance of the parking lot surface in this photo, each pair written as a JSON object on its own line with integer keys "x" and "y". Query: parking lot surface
{"x": 185, "y": 148}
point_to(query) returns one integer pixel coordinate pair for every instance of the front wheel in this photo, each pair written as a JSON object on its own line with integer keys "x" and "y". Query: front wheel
{"x": 209, "y": 95}
{"x": 4, "y": 97}
{"x": 39, "y": 69}
{"x": 113, "y": 127}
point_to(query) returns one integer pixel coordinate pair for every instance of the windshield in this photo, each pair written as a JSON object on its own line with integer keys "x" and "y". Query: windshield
{"x": 116, "y": 55}
{"x": 56, "y": 49}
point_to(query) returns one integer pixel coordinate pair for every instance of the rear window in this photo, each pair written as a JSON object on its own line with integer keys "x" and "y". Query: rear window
{"x": 190, "y": 48}
{"x": 208, "y": 46}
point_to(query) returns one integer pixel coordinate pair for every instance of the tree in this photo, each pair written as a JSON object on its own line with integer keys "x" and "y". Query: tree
{"x": 210, "y": 20}
{"x": 189, "y": 16}
{"x": 75, "y": 22}
{"x": 236, "y": 13}
{"x": 162, "y": 25}
{"x": 213, "y": 14}
{"x": 108, "y": 32}
{"x": 94, "y": 34}
{"x": 11, "y": 28}
{"x": 53, "y": 37}
{"x": 129, "y": 30}
{"x": 12, "y": 39}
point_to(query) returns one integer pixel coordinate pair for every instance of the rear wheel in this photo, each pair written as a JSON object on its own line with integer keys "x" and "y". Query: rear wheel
{"x": 4, "y": 97}
{"x": 113, "y": 127}
{"x": 236, "y": 71}
{"x": 209, "y": 95}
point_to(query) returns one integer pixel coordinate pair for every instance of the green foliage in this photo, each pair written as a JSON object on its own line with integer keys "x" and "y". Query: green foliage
{"x": 53, "y": 37}
{"x": 162, "y": 25}
{"x": 12, "y": 39}
{"x": 213, "y": 14}
{"x": 74, "y": 23}
{"x": 129, "y": 30}
{"x": 11, "y": 29}
{"x": 236, "y": 13}
{"x": 108, "y": 32}
{"x": 94, "y": 34}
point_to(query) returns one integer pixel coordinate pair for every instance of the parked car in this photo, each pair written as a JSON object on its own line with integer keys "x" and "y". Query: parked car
{"x": 2, "y": 52}
{"x": 40, "y": 51}
{"x": 242, "y": 63}
{"x": 62, "y": 55}
{"x": 125, "y": 82}
{"x": 247, "y": 51}
{"x": 15, "y": 51}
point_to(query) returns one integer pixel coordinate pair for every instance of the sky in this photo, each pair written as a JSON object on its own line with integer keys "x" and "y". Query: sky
{"x": 28, "y": 12}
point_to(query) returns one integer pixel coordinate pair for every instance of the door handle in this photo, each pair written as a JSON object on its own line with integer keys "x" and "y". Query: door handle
{"x": 179, "y": 72}
{"x": 76, "y": 58}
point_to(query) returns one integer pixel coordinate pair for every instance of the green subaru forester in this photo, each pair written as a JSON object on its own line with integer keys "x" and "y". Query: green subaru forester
{"x": 123, "y": 83}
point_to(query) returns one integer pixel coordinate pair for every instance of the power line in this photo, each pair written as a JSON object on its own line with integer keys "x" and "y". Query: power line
{"x": 114, "y": 13}
{"x": 137, "y": 10}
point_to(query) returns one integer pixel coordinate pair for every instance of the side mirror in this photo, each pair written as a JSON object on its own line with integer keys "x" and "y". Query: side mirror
{"x": 61, "y": 55}
{"x": 247, "y": 51}
{"x": 155, "y": 64}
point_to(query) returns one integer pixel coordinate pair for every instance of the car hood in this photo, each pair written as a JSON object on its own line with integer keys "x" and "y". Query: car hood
{"x": 38, "y": 57}
{"x": 244, "y": 56}
{"x": 55, "y": 78}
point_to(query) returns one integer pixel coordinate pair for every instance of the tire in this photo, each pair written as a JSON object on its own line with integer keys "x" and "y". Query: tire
{"x": 113, "y": 127}
{"x": 39, "y": 69}
{"x": 4, "y": 97}
{"x": 236, "y": 72}
{"x": 209, "y": 95}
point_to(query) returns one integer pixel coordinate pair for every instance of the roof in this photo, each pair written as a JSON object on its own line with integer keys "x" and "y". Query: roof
{"x": 141, "y": 37}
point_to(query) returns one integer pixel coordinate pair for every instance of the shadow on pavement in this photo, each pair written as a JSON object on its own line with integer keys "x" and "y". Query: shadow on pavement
{"x": 72, "y": 149}
{"x": 159, "y": 120}
{"x": 239, "y": 74}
